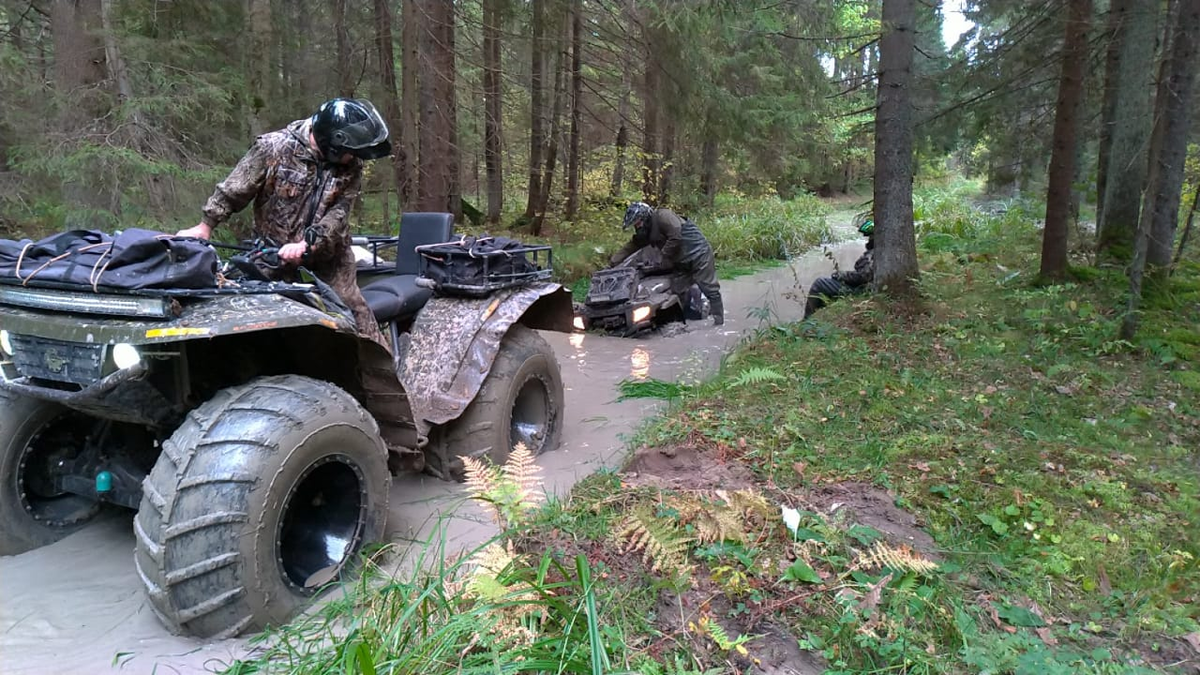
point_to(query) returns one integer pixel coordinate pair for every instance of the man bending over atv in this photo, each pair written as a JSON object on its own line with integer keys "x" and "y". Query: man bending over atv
{"x": 685, "y": 252}
{"x": 303, "y": 181}
{"x": 840, "y": 283}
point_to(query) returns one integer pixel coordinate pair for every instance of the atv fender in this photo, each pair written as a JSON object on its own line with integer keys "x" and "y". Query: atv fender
{"x": 453, "y": 342}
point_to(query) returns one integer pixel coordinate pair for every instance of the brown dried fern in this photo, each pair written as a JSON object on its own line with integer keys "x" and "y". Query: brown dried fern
{"x": 901, "y": 559}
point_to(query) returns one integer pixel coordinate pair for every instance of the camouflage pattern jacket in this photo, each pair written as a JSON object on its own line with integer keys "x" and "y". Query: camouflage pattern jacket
{"x": 681, "y": 242}
{"x": 292, "y": 191}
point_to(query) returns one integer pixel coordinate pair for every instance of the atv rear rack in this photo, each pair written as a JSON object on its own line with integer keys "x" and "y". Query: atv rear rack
{"x": 475, "y": 273}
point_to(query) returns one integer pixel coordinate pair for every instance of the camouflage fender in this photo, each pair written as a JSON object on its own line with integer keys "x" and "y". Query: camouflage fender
{"x": 454, "y": 341}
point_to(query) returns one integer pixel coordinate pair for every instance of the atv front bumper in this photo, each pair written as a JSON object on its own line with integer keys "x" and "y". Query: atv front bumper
{"x": 625, "y": 319}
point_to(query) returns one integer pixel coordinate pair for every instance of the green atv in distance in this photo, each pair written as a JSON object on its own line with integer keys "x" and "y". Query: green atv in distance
{"x": 251, "y": 430}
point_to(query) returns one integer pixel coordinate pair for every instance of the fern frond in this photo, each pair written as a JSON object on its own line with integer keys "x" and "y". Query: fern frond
{"x": 902, "y": 559}
{"x": 756, "y": 375}
{"x": 524, "y": 475}
{"x": 752, "y": 505}
{"x": 481, "y": 477}
{"x": 664, "y": 548}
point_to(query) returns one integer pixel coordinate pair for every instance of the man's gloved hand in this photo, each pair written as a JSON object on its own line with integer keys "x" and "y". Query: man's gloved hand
{"x": 200, "y": 231}
{"x": 293, "y": 253}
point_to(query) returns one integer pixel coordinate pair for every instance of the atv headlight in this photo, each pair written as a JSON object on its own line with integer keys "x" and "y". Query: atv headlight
{"x": 641, "y": 314}
{"x": 125, "y": 355}
{"x": 6, "y": 343}
{"x": 579, "y": 325}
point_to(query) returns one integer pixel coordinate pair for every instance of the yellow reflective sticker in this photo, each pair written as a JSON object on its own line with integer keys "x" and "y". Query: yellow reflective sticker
{"x": 491, "y": 309}
{"x": 176, "y": 332}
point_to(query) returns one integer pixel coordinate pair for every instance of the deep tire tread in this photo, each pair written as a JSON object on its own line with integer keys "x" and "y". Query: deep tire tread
{"x": 192, "y": 517}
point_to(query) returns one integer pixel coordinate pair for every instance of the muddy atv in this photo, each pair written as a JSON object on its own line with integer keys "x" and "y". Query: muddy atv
{"x": 636, "y": 296}
{"x": 251, "y": 428}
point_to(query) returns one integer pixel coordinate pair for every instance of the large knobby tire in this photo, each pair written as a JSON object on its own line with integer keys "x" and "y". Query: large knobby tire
{"x": 520, "y": 401}
{"x": 34, "y": 435}
{"x": 263, "y": 495}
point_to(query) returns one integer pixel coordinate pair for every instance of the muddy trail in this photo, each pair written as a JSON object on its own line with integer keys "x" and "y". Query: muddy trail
{"x": 77, "y": 606}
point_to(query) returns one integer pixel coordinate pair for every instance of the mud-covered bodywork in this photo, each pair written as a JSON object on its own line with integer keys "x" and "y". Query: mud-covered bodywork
{"x": 454, "y": 341}
{"x": 204, "y": 343}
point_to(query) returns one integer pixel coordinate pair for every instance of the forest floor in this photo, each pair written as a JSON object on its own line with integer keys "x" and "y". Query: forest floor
{"x": 991, "y": 482}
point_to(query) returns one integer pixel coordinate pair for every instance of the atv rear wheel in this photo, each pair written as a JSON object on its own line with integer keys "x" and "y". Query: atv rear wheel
{"x": 264, "y": 494}
{"x": 35, "y": 436}
{"x": 520, "y": 401}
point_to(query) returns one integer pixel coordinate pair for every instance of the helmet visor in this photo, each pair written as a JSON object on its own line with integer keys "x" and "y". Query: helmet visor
{"x": 365, "y": 133}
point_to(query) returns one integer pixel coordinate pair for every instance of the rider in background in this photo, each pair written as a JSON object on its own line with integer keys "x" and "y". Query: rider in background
{"x": 841, "y": 283}
{"x": 686, "y": 254}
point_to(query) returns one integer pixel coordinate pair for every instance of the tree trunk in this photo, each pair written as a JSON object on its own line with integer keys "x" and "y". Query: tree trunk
{"x": 618, "y": 174}
{"x": 387, "y": 83}
{"x": 1126, "y": 172}
{"x": 1187, "y": 230}
{"x": 895, "y": 239}
{"x": 1173, "y": 126}
{"x": 650, "y": 159}
{"x": 1117, "y": 12}
{"x": 438, "y": 188}
{"x": 344, "y": 70}
{"x": 79, "y": 66}
{"x": 1062, "y": 157}
{"x": 708, "y": 174}
{"x": 410, "y": 100}
{"x": 573, "y": 158}
{"x": 1156, "y": 231}
{"x": 492, "y": 110}
{"x": 536, "y": 112}
{"x": 551, "y": 149}
{"x": 667, "y": 167}
{"x": 261, "y": 39}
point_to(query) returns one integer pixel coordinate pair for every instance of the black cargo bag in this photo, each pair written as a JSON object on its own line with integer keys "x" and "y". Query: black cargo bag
{"x": 134, "y": 259}
{"x": 476, "y": 265}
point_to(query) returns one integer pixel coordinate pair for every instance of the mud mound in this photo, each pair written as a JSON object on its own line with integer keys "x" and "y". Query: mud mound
{"x": 871, "y": 506}
{"x": 685, "y": 467}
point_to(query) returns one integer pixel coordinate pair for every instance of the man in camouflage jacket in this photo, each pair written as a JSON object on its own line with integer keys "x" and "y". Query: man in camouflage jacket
{"x": 685, "y": 252}
{"x": 303, "y": 181}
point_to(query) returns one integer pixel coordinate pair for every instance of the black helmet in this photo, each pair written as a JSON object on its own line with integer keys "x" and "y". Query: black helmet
{"x": 350, "y": 125}
{"x": 636, "y": 213}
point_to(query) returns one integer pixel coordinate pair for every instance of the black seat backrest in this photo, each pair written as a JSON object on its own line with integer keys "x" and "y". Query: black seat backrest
{"x": 418, "y": 229}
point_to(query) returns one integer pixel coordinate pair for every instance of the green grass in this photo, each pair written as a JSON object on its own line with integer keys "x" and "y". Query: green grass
{"x": 1051, "y": 462}
{"x": 1053, "y": 465}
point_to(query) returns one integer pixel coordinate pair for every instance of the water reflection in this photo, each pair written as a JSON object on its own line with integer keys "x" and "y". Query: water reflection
{"x": 576, "y": 340}
{"x": 639, "y": 362}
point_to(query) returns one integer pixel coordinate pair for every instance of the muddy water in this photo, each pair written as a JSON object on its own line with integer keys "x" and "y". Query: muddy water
{"x": 77, "y": 606}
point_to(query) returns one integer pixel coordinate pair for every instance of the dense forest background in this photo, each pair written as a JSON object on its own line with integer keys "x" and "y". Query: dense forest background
{"x": 524, "y": 112}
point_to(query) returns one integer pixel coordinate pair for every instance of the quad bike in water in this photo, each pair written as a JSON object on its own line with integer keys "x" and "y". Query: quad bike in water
{"x": 251, "y": 428}
{"x": 635, "y": 296}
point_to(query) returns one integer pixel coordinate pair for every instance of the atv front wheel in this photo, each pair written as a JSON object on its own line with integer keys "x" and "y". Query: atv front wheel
{"x": 521, "y": 401}
{"x": 264, "y": 494}
{"x": 35, "y": 438}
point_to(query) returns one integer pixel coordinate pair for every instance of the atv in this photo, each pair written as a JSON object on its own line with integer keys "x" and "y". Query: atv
{"x": 251, "y": 428}
{"x": 636, "y": 296}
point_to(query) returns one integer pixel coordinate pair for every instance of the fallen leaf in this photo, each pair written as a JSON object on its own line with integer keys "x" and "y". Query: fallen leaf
{"x": 1046, "y": 636}
{"x": 1102, "y": 579}
{"x": 1193, "y": 639}
{"x": 869, "y": 602}
{"x": 799, "y": 468}
{"x": 1065, "y": 391}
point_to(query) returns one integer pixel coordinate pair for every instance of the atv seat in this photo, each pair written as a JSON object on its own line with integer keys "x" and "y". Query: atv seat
{"x": 398, "y": 296}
